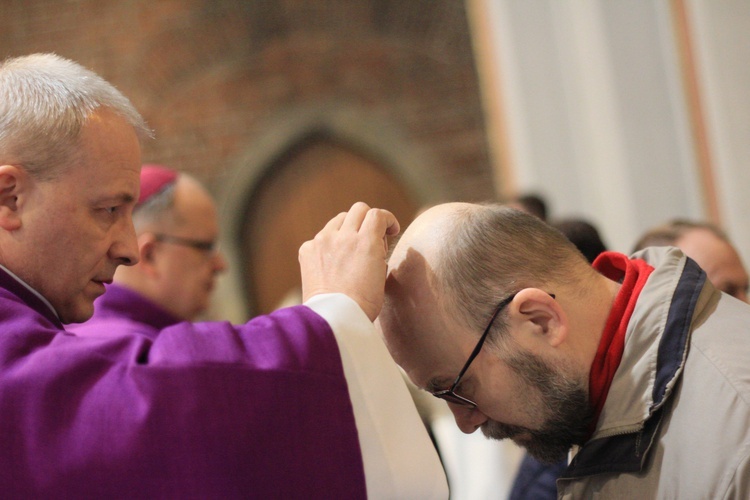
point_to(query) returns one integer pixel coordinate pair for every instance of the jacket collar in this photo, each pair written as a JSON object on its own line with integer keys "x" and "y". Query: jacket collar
{"x": 621, "y": 444}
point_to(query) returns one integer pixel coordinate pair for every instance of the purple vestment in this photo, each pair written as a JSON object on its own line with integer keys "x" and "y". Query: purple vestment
{"x": 206, "y": 410}
{"x": 124, "y": 311}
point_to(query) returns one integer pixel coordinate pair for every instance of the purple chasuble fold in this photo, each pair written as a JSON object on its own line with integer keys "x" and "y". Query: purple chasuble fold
{"x": 122, "y": 311}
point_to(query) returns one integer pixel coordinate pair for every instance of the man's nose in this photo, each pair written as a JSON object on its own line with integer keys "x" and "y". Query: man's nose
{"x": 468, "y": 419}
{"x": 124, "y": 248}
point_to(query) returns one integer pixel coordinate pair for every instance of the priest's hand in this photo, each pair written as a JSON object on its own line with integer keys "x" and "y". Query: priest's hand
{"x": 348, "y": 256}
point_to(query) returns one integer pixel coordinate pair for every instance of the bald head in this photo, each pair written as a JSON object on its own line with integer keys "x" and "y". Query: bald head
{"x": 169, "y": 202}
{"x": 456, "y": 261}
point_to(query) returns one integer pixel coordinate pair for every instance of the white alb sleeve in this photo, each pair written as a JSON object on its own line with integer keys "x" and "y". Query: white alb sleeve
{"x": 399, "y": 458}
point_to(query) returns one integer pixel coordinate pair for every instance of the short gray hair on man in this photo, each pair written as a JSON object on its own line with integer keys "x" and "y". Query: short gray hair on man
{"x": 667, "y": 234}
{"x": 493, "y": 251}
{"x": 45, "y": 100}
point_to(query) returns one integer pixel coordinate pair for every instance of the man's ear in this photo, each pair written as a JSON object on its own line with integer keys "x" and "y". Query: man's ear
{"x": 536, "y": 312}
{"x": 13, "y": 184}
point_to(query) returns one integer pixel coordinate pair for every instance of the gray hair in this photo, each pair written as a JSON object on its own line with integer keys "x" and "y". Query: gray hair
{"x": 493, "y": 251}
{"x": 45, "y": 101}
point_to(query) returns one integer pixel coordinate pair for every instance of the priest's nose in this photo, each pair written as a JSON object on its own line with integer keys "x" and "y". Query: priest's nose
{"x": 124, "y": 247}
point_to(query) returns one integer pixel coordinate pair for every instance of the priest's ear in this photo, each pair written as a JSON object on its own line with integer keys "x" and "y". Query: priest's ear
{"x": 13, "y": 186}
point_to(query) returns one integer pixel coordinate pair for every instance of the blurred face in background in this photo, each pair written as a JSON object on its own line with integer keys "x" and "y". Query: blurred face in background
{"x": 719, "y": 259}
{"x": 184, "y": 252}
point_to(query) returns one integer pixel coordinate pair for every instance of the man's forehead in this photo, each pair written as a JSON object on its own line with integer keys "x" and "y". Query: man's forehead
{"x": 434, "y": 363}
{"x": 422, "y": 335}
{"x": 423, "y": 360}
{"x": 195, "y": 204}
{"x": 708, "y": 250}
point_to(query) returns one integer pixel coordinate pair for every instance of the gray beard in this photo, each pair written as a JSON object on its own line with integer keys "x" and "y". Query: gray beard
{"x": 563, "y": 401}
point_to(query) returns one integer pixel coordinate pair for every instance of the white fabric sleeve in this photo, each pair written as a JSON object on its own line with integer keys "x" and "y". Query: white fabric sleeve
{"x": 399, "y": 458}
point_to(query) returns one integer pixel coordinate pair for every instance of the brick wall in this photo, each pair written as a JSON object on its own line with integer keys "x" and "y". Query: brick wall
{"x": 208, "y": 74}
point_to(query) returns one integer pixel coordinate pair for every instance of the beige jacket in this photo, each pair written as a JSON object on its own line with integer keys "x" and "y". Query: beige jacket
{"x": 676, "y": 423}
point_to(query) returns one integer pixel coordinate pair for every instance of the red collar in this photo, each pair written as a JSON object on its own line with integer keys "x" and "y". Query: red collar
{"x": 633, "y": 275}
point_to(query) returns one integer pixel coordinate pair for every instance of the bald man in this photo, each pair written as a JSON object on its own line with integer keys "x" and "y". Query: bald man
{"x": 709, "y": 246}
{"x": 638, "y": 364}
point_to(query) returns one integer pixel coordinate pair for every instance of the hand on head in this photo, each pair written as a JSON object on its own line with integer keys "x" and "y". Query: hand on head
{"x": 348, "y": 256}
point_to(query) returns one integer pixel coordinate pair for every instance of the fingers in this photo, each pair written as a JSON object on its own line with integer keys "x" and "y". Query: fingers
{"x": 348, "y": 256}
{"x": 380, "y": 222}
{"x": 373, "y": 222}
{"x": 362, "y": 217}
{"x": 336, "y": 222}
{"x": 355, "y": 216}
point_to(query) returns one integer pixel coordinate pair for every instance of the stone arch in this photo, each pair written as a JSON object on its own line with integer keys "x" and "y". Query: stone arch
{"x": 349, "y": 128}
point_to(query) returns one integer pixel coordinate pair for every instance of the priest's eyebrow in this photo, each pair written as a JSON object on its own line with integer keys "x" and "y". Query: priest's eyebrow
{"x": 116, "y": 198}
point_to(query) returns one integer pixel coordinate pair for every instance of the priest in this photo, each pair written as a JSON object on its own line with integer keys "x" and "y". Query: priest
{"x": 296, "y": 404}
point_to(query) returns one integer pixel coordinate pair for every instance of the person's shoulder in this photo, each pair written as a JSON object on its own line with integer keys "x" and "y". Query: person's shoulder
{"x": 724, "y": 327}
{"x": 720, "y": 346}
{"x": 110, "y": 326}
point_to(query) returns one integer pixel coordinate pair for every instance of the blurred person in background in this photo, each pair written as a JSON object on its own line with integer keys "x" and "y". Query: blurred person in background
{"x": 531, "y": 203}
{"x": 707, "y": 245}
{"x": 583, "y": 234}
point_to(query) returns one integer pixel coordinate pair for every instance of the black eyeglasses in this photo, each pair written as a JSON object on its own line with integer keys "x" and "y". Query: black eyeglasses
{"x": 450, "y": 394}
{"x": 202, "y": 245}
